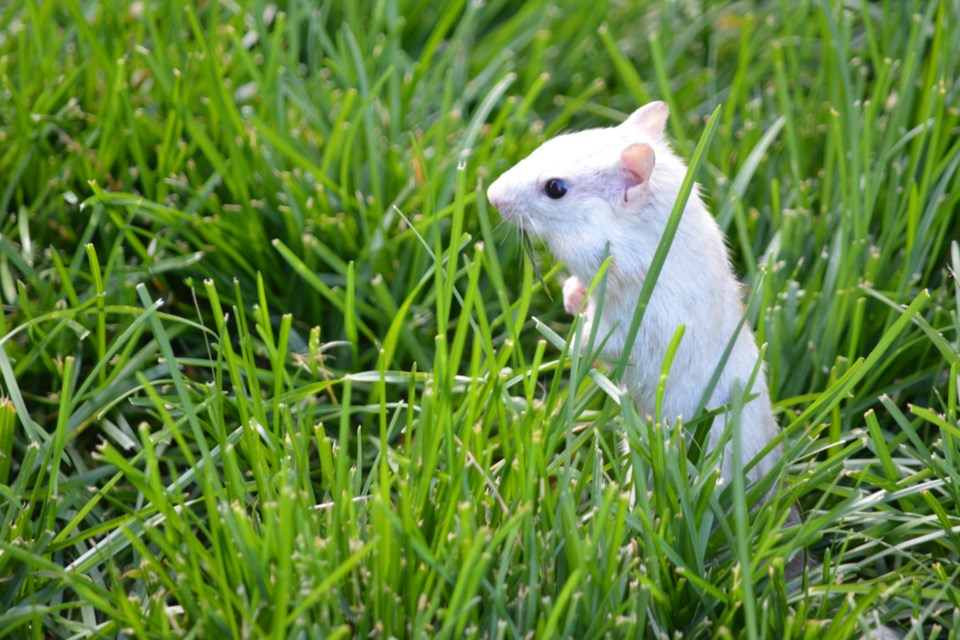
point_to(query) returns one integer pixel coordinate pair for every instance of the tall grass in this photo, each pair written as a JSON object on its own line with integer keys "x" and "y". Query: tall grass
{"x": 271, "y": 366}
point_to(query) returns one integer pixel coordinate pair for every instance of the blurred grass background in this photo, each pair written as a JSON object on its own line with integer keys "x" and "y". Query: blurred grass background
{"x": 270, "y": 362}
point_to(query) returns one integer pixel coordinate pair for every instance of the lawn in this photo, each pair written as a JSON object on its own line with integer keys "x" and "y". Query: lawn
{"x": 273, "y": 367}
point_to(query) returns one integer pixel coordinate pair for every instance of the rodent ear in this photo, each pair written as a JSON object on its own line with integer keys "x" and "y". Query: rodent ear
{"x": 637, "y": 162}
{"x": 650, "y": 118}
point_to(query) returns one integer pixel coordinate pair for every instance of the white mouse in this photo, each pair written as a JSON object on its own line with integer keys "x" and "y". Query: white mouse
{"x": 582, "y": 192}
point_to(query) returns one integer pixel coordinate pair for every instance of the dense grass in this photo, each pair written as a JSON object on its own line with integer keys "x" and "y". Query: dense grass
{"x": 272, "y": 367}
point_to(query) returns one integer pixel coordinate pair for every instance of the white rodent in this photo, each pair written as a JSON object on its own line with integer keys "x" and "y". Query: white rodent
{"x": 615, "y": 187}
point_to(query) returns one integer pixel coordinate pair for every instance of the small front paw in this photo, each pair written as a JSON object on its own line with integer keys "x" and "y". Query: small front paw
{"x": 573, "y": 294}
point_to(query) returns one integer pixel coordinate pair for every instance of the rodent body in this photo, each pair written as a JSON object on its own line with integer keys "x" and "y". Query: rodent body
{"x": 615, "y": 187}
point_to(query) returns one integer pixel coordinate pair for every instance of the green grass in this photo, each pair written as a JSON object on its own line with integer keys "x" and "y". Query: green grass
{"x": 271, "y": 366}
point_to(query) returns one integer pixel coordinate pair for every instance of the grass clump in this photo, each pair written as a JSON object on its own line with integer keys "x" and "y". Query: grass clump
{"x": 272, "y": 368}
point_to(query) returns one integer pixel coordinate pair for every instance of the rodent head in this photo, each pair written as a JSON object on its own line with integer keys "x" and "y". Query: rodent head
{"x": 582, "y": 191}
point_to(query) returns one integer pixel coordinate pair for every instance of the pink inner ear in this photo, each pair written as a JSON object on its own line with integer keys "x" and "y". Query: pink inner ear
{"x": 637, "y": 161}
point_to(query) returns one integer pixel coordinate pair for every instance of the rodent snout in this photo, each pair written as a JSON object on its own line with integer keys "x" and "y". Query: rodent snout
{"x": 495, "y": 195}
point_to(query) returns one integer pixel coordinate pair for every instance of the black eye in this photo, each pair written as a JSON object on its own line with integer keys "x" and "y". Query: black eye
{"x": 555, "y": 188}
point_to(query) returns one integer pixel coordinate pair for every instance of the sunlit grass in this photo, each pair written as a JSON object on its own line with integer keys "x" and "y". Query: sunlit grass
{"x": 272, "y": 367}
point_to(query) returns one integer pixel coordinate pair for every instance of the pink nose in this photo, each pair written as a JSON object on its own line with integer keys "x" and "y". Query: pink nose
{"x": 494, "y": 195}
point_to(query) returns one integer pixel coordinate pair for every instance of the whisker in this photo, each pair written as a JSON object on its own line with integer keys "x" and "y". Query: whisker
{"x": 526, "y": 242}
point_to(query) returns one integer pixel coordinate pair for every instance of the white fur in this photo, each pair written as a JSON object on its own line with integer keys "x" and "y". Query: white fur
{"x": 696, "y": 288}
